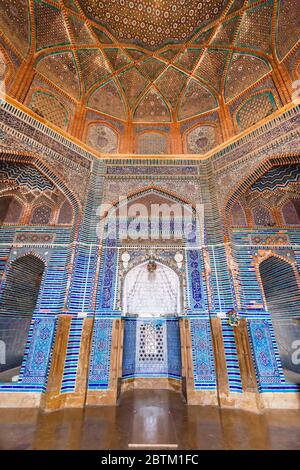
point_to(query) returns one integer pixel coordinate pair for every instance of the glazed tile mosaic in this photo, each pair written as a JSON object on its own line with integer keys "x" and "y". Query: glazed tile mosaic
{"x": 179, "y": 105}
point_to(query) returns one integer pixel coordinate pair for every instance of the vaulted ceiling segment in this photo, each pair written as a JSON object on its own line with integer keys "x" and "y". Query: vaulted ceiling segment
{"x": 151, "y": 60}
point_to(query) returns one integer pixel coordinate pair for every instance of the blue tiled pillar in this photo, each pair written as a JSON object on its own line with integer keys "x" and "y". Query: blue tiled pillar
{"x": 267, "y": 363}
{"x": 35, "y": 368}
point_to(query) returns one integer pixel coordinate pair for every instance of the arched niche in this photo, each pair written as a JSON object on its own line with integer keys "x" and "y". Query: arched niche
{"x": 102, "y": 138}
{"x": 17, "y": 303}
{"x": 65, "y": 216}
{"x": 254, "y": 109}
{"x": 10, "y": 210}
{"x": 41, "y": 215}
{"x": 273, "y": 173}
{"x": 132, "y": 219}
{"x": 149, "y": 293}
{"x": 149, "y": 143}
{"x": 282, "y": 295}
{"x": 291, "y": 212}
{"x": 262, "y": 217}
{"x": 33, "y": 184}
{"x": 49, "y": 107}
{"x": 238, "y": 217}
{"x": 151, "y": 347}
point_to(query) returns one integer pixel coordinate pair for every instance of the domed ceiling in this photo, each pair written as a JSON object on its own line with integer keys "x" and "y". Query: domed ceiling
{"x": 153, "y": 23}
{"x": 151, "y": 61}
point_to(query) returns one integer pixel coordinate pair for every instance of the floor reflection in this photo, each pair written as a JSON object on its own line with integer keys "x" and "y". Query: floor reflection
{"x": 154, "y": 417}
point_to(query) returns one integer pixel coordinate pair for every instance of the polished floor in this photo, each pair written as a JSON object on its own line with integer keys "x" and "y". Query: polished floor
{"x": 145, "y": 419}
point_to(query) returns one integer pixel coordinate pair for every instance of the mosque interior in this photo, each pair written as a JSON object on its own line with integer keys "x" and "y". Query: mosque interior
{"x": 150, "y": 223}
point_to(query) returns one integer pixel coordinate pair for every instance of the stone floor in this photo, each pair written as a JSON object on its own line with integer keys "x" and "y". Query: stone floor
{"x": 149, "y": 418}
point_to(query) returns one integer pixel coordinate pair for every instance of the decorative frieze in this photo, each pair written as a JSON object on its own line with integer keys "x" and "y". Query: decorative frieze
{"x": 34, "y": 238}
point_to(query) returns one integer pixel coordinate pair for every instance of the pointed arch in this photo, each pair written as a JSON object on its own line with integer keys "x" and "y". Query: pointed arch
{"x": 262, "y": 216}
{"x": 11, "y": 210}
{"x": 157, "y": 190}
{"x": 68, "y": 79}
{"x": 102, "y": 136}
{"x": 18, "y": 301}
{"x": 280, "y": 282}
{"x": 244, "y": 70}
{"x": 255, "y": 108}
{"x": 291, "y": 212}
{"x": 196, "y": 99}
{"x": 171, "y": 83}
{"x": 238, "y": 216}
{"x": 151, "y": 142}
{"x": 246, "y": 182}
{"x": 107, "y": 99}
{"x": 47, "y": 172}
{"x": 152, "y": 108}
{"x": 154, "y": 294}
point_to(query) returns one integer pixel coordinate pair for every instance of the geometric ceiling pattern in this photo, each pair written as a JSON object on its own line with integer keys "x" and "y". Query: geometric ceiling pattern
{"x": 149, "y": 23}
{"x": 152, "y": 61}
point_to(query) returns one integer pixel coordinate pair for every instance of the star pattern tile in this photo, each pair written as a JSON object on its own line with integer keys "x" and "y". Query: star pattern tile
{"x": 153, "y": 23}
{"x": 151, "y": 61}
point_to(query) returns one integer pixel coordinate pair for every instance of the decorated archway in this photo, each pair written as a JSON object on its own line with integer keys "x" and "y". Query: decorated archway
{"x": 18, "y": 302}
{"x": 281, "y": 291}
{"x": 151, "y": 289}
{"x": 151, "y": 303}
